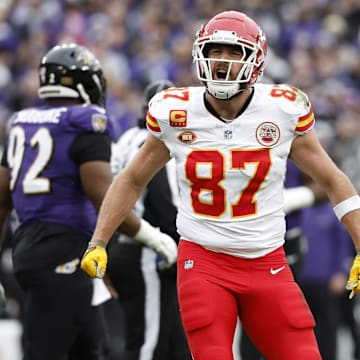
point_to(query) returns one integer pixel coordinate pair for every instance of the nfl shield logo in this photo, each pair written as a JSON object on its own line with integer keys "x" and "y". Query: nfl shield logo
{"x": 188, "y": 264}
{"x": 228, "y": 134}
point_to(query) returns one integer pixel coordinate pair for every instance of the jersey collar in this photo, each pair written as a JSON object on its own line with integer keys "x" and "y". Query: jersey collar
{"x": 212, "y": 111}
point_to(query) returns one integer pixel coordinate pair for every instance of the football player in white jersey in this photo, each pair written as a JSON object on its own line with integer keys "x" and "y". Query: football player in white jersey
{"x": 231, "y": 139}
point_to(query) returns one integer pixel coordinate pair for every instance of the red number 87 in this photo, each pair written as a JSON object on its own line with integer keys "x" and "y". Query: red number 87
{"x": 245, "y": 206}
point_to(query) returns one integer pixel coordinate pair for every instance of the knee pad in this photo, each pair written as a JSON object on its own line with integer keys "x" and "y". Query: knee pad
{"x": 195, "y": 304}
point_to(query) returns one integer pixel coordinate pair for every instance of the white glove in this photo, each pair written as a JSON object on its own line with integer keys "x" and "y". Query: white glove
{"x": 297, "y": 198}
{"x": 161, "y": 243}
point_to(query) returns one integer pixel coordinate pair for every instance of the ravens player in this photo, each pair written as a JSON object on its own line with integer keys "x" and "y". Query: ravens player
{"x": 55, "y": 172}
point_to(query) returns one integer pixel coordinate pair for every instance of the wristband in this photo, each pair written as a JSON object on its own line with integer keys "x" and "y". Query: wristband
{"x": 346, "y": 206}
{"x": 96, "y": 243}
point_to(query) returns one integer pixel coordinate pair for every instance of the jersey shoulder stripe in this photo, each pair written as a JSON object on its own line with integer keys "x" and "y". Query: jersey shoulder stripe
{"x": 305, "y": 122}
{"x": 152, "y": 123}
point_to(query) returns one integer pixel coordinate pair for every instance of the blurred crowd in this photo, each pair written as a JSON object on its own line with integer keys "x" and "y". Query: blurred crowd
{"x": 313, "y": 45}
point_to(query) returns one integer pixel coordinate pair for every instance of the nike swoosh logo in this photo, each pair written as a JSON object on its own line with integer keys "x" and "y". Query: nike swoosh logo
{"x": 275, "y": 271}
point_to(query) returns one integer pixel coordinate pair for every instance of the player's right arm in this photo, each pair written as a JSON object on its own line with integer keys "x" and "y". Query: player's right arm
{"x": 120, "y": 199}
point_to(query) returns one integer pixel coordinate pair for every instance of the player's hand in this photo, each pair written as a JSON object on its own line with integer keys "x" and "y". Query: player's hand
{"x": 353, "y": 283}
{"x": 94, "y": 260}
{"x": 166, "y": 247}
{"x": 161, "y": 243}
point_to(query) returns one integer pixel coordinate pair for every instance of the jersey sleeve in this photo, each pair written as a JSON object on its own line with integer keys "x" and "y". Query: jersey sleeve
{"x": 296, "y": 106}
{"x": 153, "y": 125}
{"x": 305, "y": 122}
{"x": 153, "y": 116}
{"x": 89, "y": 146}
{"x": 89, "y": 118}
{"x": 167, "y": 113}
{"x": 305, "y": 119}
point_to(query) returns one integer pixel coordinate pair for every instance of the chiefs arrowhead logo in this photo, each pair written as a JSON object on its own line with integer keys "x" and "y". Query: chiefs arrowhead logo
{"x": 187, "y": 137}
{"x": 268, "y": 134}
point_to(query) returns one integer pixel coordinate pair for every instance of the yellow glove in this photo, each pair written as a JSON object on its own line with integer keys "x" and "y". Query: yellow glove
{"x": 353, "y": 283}
{"x": 95, "y": 259}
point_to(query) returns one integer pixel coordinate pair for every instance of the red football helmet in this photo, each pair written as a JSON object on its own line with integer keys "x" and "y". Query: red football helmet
{"x": 232, "y": 28}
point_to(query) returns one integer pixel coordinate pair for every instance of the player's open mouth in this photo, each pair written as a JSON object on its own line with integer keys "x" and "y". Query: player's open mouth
{"x": 220, "y": 74}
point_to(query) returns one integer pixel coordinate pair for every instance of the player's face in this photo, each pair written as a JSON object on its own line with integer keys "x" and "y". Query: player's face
{"x": 220, "y": 68}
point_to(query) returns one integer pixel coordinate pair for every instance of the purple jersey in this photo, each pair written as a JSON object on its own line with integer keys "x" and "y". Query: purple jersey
{"x": 44, "y": 180}
{"x": 329, "y": 244}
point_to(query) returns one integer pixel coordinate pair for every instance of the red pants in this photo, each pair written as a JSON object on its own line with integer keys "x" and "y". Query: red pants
{"x": 215, "y": 288}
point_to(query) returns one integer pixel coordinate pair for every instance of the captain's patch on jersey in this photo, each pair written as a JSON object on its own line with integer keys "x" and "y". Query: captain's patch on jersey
{"x": 268, "y": 134}
{"x": 98, "y": 122}
{"x": 178, "y": 118}
{"x": 187, "y": 137}
{"x": 152, "y": 124}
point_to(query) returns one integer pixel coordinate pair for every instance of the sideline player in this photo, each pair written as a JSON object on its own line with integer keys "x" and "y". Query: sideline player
{"x": 55, "y": 172}
{"x": 231, "y": 140}
{"x": 147, "y": 293}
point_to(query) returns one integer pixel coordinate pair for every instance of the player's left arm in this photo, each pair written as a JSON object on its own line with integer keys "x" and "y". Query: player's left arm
{"x": 308, "y": 154}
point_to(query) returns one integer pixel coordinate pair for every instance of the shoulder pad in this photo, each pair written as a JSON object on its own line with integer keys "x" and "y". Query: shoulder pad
{"x": 90, "y": 118}
{"x": 172, "y": 98}
{"x": 169, "y": 108}
{"x": 291, "y": 100}
{"x": 155, "y": 114}
{"x": 295, "y": 103}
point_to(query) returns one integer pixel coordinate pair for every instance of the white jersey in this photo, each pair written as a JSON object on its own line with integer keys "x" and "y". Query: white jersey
{"x": 231, "y": 174}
